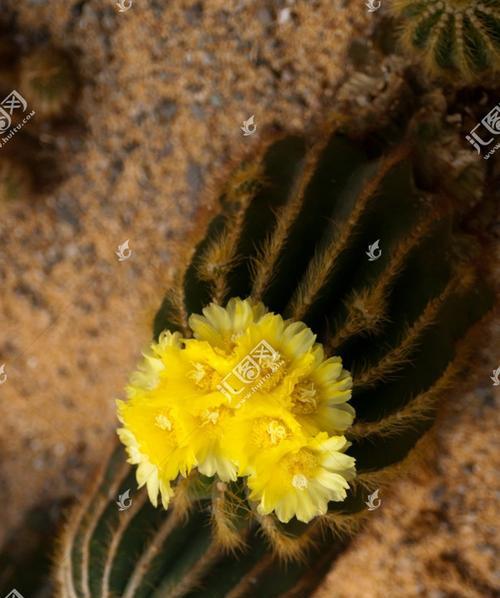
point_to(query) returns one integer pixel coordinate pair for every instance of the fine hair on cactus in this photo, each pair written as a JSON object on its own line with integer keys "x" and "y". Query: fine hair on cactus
{"x": 289, "y": 376}
{"x": 452, "y": 38}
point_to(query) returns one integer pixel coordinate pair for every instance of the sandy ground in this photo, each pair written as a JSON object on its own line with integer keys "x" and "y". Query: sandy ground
{"x": 165, "y": 88}
{"x": 435, "y": 535}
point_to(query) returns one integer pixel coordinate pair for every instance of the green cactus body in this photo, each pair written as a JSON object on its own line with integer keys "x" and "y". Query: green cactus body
{"x": 47, "y": 80}
{"x": 452, "y": 37}
{"x": 293, "y": 231}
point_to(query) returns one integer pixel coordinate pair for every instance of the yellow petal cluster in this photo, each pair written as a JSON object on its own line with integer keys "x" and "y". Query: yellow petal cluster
{"x": 250, "y": 395}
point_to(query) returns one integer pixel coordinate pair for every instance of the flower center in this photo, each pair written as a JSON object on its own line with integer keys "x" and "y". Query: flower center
{"x": 301, "y": 466}
{"x": 211, "y": 417}
{"x": 304, "y": 399}
{"x": 276, "y": 431}
{"x": 203, "y": 376}
{"x": 269, "y": 432}
{"x": 163, "y": 422}
{"x": 271, "y": 374}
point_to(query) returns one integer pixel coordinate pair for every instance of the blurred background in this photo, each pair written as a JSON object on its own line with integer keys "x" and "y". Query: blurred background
{"x": 160, "y": 92}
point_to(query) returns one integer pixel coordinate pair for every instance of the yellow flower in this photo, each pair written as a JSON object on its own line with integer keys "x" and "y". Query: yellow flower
{"x": 209, "y": 428}
{"x": 249, "y": 396}
{"x": 147, "y": 473}
{"x": 261, "y": 430}
{"x": 319, "y": 399}
{"x": 304, "y": 480}
{"x": 155, "y": 438}
{"x": 221, "y": 326}
{"x": 149, "y": 372}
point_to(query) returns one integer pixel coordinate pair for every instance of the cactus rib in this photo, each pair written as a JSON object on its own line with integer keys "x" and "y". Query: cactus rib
{"x": 398, "y": 355}
{"x": 422, "y": 406}
{"x": 323, "y": 263}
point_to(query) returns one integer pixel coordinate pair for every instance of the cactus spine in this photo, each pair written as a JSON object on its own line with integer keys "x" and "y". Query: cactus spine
{"x": 292, "y": 231}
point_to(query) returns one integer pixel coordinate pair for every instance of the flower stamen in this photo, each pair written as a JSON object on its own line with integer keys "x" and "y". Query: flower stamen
{"x": 211, "y": 417}
{"x": 276, "y": 431}
{"x": 304, "y": 399}
{"x": 162, "y": 422}
{"x": 299, "y": 481}
{"x": 198, "y": 374}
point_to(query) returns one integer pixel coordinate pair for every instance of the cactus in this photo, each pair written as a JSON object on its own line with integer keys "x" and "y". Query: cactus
{"x": 293, "y": 229}
{"x": 15, "y": 180}
{"x": 457, "y": 39}
{"x": 47, "y": 80}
